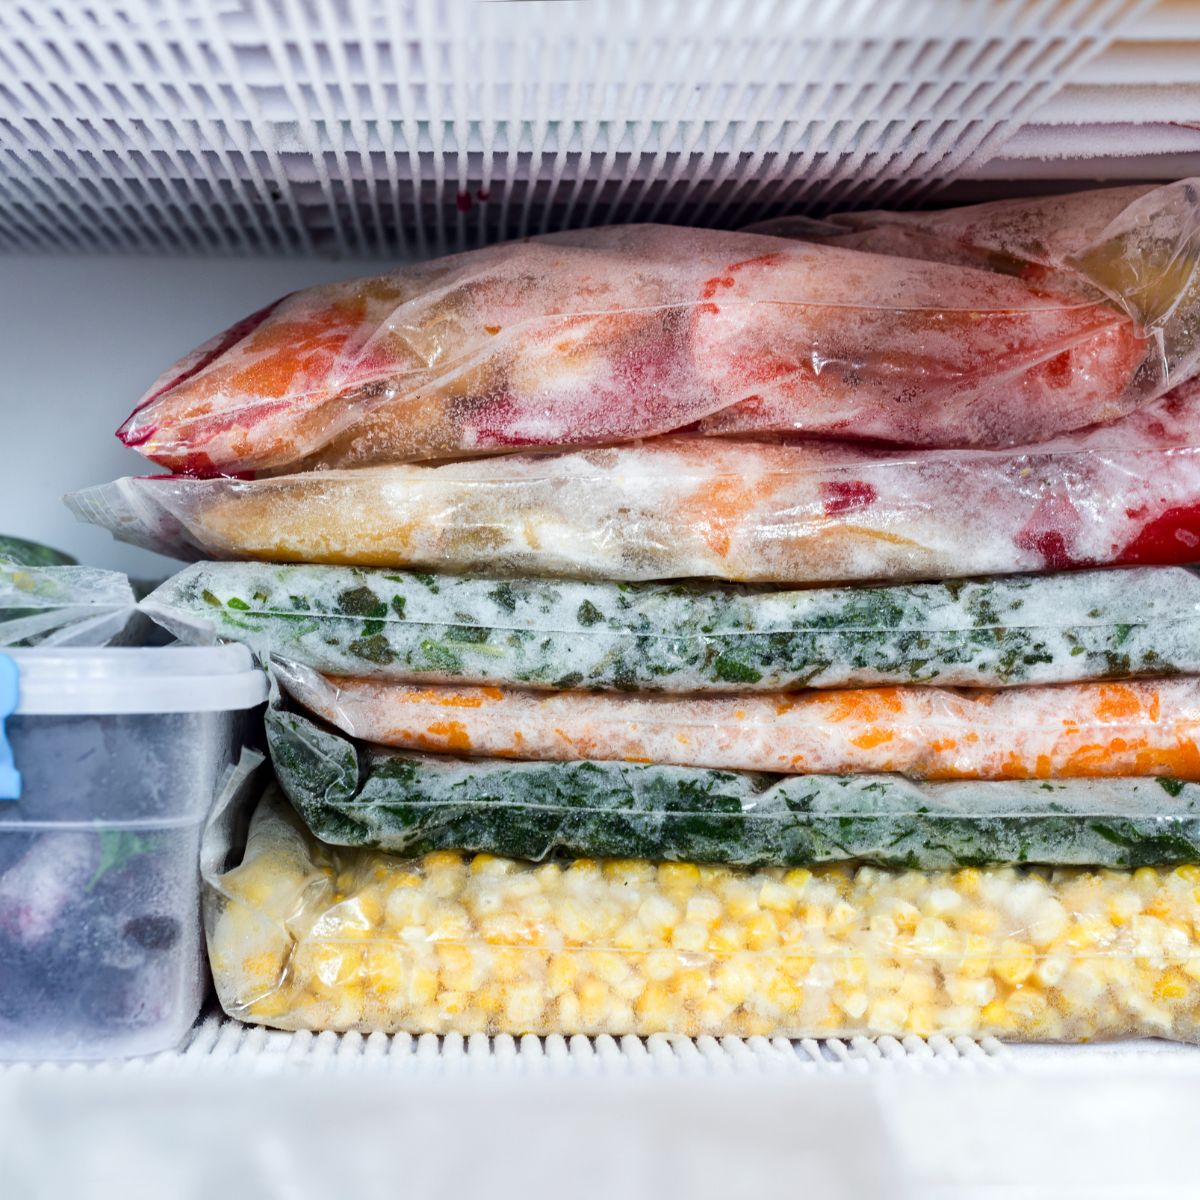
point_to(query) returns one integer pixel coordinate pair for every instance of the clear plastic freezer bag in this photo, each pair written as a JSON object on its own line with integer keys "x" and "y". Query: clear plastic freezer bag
{"x": 529, "y": 632}
{"x": 1138, "y": 245}
{"x": 608, "y": 334}
{"x": 59, "y": 605}
{"x": 678, "y": 507}
{"x": 306, "y": 936}
{"x": 1040, "y": 732}
{"x": 412, "y": 804}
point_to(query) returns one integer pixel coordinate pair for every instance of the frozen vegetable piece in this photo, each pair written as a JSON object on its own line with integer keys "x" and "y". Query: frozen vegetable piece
{"x": 44, "y": 882}
{"x": 306, "y": 936}
{"x": 1138, "y": 245}
{"x": 809, "y": 512}
{"x": 32, "y": 554}
{"x": 680, "y": 638}
{"x": 412, "y": 804}
{"x": 602, "y": 335}
{"x": 61, "y": 605}
{"x": 1047, "y": 732}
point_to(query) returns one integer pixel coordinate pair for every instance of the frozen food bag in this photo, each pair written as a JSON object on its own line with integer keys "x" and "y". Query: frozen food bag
{"x": 364, "y": 795}
{"x": 307, "y": 936}
{"x": 60, "y": 605}
{"x": 1041, "y": 732}
{"x": 1137, "y": 245}
{"x": 24, "y": 553}
{"x": 603, "y": 335}
{"x": 687, "y": 506}
{"x": 530, "y": 632}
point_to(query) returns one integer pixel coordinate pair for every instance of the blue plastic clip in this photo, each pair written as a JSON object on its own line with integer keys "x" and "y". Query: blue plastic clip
{"x": 10, "y": 691}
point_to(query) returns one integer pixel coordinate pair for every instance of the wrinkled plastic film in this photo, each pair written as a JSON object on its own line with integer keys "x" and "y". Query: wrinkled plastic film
{"x": 1059, "y": 731}
{"x": 679, "y": 638}
{"x": 306, "y": 936}
{"x": 62, "y": 605}
{"x": 609, "y": 334}
{"x": 415, "y": 804}
{"x": 689, "y": 507}
{"x": 1139, "y": 245}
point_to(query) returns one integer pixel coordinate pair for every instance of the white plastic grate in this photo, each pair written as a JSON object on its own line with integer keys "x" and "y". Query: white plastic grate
{"x": 220, "y": 1045}
{"x": 415, "y": 126}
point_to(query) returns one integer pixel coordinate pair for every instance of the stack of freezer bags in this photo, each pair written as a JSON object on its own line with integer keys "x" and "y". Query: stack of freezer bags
{"x": 567, "y": 750}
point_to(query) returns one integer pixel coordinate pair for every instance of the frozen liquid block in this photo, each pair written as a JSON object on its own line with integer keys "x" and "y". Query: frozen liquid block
{"x": 413, "y": 804}
{"x": 687, "y": 506}
{"x": 680, "y": 638}
{"x": 305, "y": 936}
{"x": 1042, "y": 732}
{"x": 603, "y": 335}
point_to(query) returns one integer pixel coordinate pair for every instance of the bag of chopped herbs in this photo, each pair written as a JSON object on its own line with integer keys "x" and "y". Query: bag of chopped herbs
{"x": 361, "y": 795}
{"x": 412, "y": 627}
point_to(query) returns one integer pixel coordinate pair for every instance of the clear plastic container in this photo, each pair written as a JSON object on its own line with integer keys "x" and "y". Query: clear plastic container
{"x": 120, "y": 754}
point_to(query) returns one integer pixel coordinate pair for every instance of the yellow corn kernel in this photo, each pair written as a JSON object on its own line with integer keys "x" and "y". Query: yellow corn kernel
{"x": 887, "y": 1014}
{"x": 1189, "y": 872}
{"x": 776, "y": 896}
{"x": 980, "y": 920}
{"x": 1122, "y": 906}
{"x": 1014, "y": 962}
{"x": 704, "y": 909}
{"x": 966, "y": 881}
{"x": 690, "y": 936}
{"x": 659, "y": 916}
{"x": 995, "y": 1018}
{"x": 594, "y": 1002}
{"x": 384, "y": 969}
{"x": 1171, "y": 986}
{"x": 654, "y": 1009}
{"x": 679, "y": 876}
{"x": 797, "y": 879}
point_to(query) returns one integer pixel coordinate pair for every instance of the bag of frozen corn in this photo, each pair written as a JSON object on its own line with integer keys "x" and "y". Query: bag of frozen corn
{"x": 306, "y": 936}
{"x": 604, "y": 335}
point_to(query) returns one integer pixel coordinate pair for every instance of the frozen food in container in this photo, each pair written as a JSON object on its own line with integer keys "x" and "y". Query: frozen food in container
{"x": 307, "y": 936}
{"x": 412, "y": 804}
{"x": 607, "y": 334}
{"x": 1050, "y": 731}
{"x": 120, "y": 753}
{"x": 415, "y": 627}
{"x": 686, "y": 506}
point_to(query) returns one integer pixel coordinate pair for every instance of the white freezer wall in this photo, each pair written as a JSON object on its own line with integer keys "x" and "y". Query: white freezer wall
{"x": 81, "y": 338}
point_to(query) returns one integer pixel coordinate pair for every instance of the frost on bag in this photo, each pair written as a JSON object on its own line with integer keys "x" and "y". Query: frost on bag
{"x": 415, "y": 627}
{"x": 1048, "y": 732}
{"x": 609, "y": 334}
{"x": 44, "y": 603}
{"x": 410, "y": 804}
{"x": 1139, "y": 246}
{"x": 693, "y": 507}
{"x": 307, "y": 936}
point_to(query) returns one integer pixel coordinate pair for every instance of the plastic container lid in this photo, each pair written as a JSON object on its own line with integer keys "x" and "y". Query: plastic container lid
{"x": 159, "y": 679}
